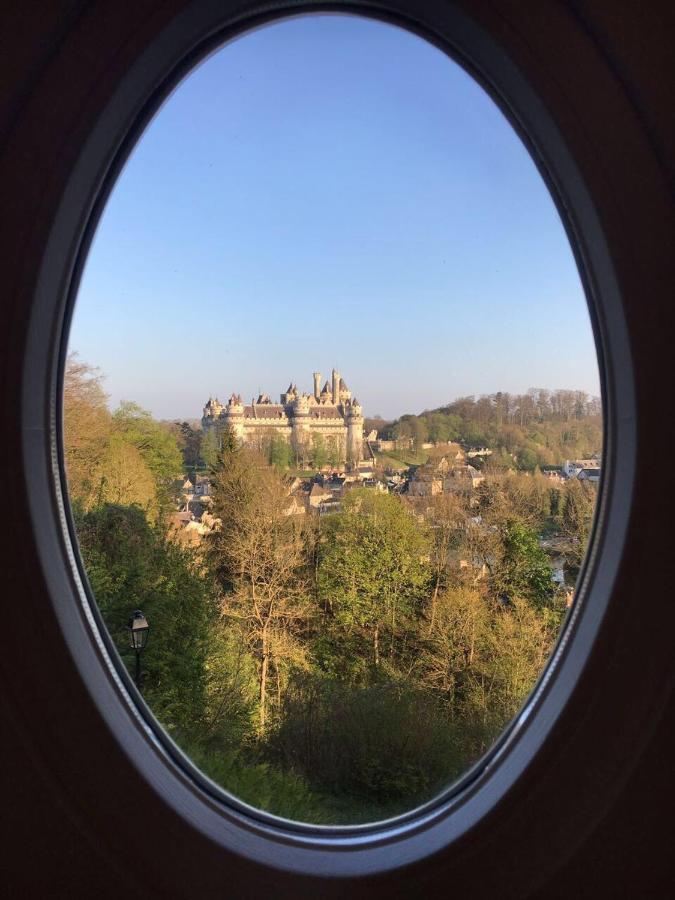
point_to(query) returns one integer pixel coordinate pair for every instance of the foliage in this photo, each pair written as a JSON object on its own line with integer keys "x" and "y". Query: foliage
{"x": 483, "y": 658}
{"x": 156, "y": 444}
{"x": 280, "y": 453}
{"x": 385, "y": 743}
{"x": 319, "y": 452}
{"x": 523, "y": 569}
{"x": 131, "y": 565}
{"x": 262, "y": 785}
{"x": 525, "y": 431}
{"x": 123, "y": 478}
{"x": 576, "y": 518}
{"x": 209, "y": 447}
{"x": 372, "y": 572}
{"x": 346, "y": 668}
{"x": 86, "y": 428}
{"x": 190, "y": 445}
{"x": 258, "y": 555}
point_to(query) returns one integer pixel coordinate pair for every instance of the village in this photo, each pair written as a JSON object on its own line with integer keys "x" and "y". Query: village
{"x": 449, "y": 469}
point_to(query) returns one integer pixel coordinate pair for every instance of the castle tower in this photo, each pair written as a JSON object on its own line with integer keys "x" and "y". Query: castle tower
{"x": 300, "y": 423}
{"x": 336, "y": 387}
{"x": 345, "y": 393}
{"x": 354, "y": 416}
{"x": 212, "y": 413}
{"x": 317, "y": 386}
{"x": 233, "y": 416}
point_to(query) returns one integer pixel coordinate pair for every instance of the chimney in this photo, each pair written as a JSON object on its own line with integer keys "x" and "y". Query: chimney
{"x": 336, "y": 387}
{"x": 317, "y": 385}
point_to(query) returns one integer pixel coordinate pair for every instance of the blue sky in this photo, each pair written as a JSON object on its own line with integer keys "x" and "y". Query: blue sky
{"x": 331, "y": 191}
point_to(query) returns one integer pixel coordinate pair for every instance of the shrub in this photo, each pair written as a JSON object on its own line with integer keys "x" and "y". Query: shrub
{"x": 385, "y": 744}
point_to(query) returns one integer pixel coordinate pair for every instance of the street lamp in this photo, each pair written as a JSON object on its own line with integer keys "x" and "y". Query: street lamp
{"x": 138, "y": 637}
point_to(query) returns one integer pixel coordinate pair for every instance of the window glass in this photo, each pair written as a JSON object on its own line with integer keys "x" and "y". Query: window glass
{"x": 331, "y": 425}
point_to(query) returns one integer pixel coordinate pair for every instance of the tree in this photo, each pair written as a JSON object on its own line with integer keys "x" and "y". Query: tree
{"x": 334, "y": 456}
{"x": 523, "y": 570}
{"x": 373, "y": 571}
{"x": 157, "y": 445}
{"x": 516, "y": 647}
{"x": 190, "y": 445}
{"x": 484, "y": 658}
{"x": 420, "y": 432}
{"x": 447, "y": 520}
{"x": 209, "y": 447}
{"x": 577, "y": 516}
{"x": 280, "y": 453}
{"x": 86, "y": 427}
{"x": 131, "y": 565}
{"x": 258, "y": 556}
{"x": 455, "y": 644}
{"x": 319, "y": 454}
{"x": 123, "y": 478}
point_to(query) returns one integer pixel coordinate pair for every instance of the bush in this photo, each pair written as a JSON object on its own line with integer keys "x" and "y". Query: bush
{"x": 385, "y": 744}
{"x": 261, "y": 785}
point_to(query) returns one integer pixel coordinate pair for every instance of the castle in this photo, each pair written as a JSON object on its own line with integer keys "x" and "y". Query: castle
{"x": 328, "y": 417}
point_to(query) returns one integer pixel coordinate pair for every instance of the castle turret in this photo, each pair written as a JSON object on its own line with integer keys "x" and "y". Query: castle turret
{"x": 300, "y": 423}
{"x": 345, "y": 393}
{"x": 213, "y": 408}
{"x": 301, "y": 405}
{"x": 317, "y": 385}
{"x": 233, "y": 416}
{"x": 212, "y": 413}
{"x": 336, "y": 387}
{"x": 354, "y": 416}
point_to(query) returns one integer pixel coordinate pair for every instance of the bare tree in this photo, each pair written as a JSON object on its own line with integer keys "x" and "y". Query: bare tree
{"x": 259, "y": 556}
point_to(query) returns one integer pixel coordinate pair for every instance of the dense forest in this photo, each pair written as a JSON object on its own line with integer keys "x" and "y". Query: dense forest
{"x": 526, "y": 431}
{"x": 329, "y": 669}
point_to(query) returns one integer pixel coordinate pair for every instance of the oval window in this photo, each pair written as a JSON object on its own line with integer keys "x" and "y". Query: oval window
{"x": 331, "y": 420}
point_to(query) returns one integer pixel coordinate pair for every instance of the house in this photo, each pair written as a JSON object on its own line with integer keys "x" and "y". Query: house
{"x": 572, "y": 467}
{"x": 553, "y": 473}
{"x": 329, "y": 506}
{"x": 459, "y": 478}
{"x": 478, "y": 451}
{"x": 444, "y": 476}
{"x": 366, "y": 473}
{"x": 295, "y": 506}
{"x": 203, "y": 486}
{"x": 318, "y": 495}
{"x": 592, "y": 475}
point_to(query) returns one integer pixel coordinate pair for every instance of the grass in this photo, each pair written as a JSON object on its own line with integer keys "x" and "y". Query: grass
{"x": 401, "y": 459}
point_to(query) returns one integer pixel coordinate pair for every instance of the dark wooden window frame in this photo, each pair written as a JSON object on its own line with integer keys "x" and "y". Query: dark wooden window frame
{"x": 574, "y": 747}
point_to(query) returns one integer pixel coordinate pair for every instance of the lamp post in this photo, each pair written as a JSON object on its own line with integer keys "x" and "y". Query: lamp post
{"x": 138, "y": 637}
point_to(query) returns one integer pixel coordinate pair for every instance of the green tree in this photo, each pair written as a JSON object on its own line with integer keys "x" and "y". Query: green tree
{"x": 334, "y": 456}
{"x": 209, "y": 447}
{"x": 420, "y": 432}
{"x": 123, "y": 478}
{"x": 373, "y": 570}
{"x": 319, "y": 453}
{"x": 157, "y": 445}
{"x": 576, "y": 519}
{"x": 132, "y": 565}
{"x": 280, "y": 453}
{"x": 190, "y": 445}
{"x": 523, "y": 569}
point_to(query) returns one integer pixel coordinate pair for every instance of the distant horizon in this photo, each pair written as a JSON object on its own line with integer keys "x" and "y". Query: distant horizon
{"x": 114, "y": 402}
{"x": 331, "y": 191}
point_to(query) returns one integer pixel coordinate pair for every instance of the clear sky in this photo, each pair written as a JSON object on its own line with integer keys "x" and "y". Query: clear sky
{"x": 331, "y": 191}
